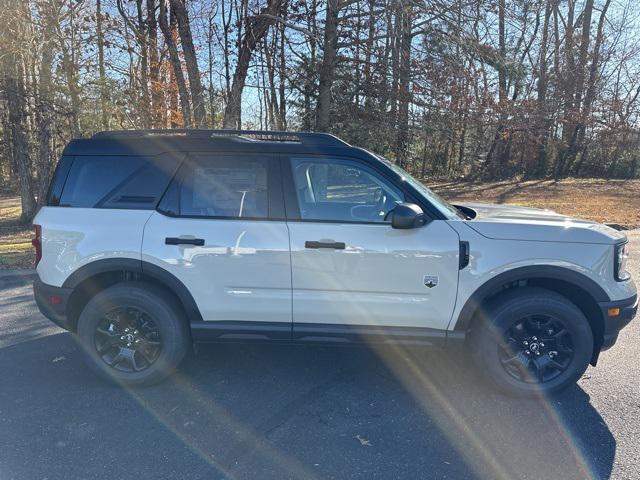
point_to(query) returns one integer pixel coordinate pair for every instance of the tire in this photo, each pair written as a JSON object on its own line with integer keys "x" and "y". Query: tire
{"x": 133, "y": 317}
{"x": 524, "y": 335}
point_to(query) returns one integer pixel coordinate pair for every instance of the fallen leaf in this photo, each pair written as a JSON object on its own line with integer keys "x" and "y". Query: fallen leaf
{"x": 363, "y": 441}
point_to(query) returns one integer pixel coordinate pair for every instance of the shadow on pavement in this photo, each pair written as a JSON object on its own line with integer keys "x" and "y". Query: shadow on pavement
{"x": 251, "y": 411}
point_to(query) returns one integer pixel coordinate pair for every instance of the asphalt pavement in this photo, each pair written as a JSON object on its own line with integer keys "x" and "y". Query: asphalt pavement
{"x": 273, "y": 412}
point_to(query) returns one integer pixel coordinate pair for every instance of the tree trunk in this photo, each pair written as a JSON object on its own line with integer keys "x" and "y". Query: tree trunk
{"x": 328, "y": 67}
{"x": 44, "y": 106}
{"x": 193, "y": 72}
{"x": 15, "y": 96}
{"x": 404, "y": 77}
{"x": 581, "y": 68}
{"x": 502, "y": 73}
{"x": 543, "y": 120}
{"x": 282, "y": 77}
{"x": 593, "y": 77}
{"x": 102, "y": 76}
{"x": 71, "y": 75}
{"x": 368, "y": 54}
{"x": 157, "y": 100}
{"x": 145, "y": 107}
{"x": 169, "y": 33}
{"x": 310, "y": 67}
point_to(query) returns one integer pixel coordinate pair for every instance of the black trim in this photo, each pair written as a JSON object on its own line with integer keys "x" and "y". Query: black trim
{"x": 464, "y": 255}
{"x": 317, "y": 333}
{"x": 240, "y": 331}
{"x": 292, "y": 210}
{"x": 42, "y": 293}
{"x": 199, "y": 242}
{"x": 319, "y": 244}
{"x": 162, "y": 276}
{"x": 102, "y": 266}
{"x": 176, "y": 286}
{"x": 357, "y": 334}
{"x": 496, "y": 284}
{"x": 612, "y": 325}
{"x": 306, "y": 138}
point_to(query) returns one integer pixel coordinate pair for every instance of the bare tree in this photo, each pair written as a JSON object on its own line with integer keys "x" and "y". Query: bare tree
{"x": 256, "y": 27}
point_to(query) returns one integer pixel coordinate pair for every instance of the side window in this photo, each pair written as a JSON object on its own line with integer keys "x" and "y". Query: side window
{"x": 143, "y": 189}
{"x": 58, "y": 181}
{"x": 92, "y": 178}
{"x": 342, "y": 190}
{"x": 223, "y": 186}
{"x": 130, "y": 182}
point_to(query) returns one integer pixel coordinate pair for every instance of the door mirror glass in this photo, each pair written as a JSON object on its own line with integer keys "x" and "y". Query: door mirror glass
{"x": 407, "y": 215}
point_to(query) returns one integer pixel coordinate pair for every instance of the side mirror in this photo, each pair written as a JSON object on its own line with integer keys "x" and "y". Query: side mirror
{"x": 407, "y": 215}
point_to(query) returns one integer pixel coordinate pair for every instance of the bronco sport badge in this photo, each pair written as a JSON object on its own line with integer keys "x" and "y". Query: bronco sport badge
{"x": 430, "y": 281}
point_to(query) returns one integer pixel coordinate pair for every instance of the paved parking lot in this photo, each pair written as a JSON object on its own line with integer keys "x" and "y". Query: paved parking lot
{"x": 303, "y": 412}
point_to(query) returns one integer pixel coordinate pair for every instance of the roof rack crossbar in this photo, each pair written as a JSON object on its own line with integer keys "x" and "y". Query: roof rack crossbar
{"x": 305, "y": 138}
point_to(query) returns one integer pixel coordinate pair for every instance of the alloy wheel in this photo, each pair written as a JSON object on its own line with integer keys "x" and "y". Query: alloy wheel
{"x": 127, "y": 339}
{"x": 536, "y": 349}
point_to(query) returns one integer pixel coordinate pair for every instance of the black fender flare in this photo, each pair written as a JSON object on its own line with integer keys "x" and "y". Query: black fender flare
{"x": 550, "y": 272}
{"x": 141, "y": 268}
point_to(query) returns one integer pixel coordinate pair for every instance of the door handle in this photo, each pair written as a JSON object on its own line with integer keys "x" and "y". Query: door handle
{"x": 184, "y": 241}
{"x": 319, "y": 244}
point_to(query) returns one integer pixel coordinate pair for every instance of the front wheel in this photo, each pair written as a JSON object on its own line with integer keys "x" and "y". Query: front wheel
{"x": 532, "y": 341}
{"x": 133, "y": 333}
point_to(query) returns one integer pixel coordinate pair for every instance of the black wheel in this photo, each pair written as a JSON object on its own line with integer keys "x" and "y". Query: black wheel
{"x": 133, "y": 334}
{"x": 532, "y": 340}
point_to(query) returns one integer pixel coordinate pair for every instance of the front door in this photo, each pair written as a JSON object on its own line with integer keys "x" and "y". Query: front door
{"x": 349, "y": 266}
{"x": 220, "y": 230}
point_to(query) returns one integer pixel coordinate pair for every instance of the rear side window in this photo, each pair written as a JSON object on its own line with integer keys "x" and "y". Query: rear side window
{"x": 58, "y": 180}
{"x": 221, "y": 186}
{"x": 132, "y": 182}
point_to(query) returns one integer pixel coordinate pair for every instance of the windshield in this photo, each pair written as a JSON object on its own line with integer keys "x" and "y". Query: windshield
{"x": 444, "y": 207}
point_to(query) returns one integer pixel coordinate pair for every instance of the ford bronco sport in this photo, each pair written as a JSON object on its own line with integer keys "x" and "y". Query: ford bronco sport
{"x": 152, "y": 240}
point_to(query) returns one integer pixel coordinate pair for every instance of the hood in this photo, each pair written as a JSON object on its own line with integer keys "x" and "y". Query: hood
{"x": 512, "y": 222}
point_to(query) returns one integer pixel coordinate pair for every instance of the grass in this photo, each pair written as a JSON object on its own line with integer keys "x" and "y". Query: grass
{"x": 605, "y": 201}
{"x": 15, "y": 237}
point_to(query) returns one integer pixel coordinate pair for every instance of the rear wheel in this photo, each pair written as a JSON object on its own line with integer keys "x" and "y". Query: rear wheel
{"x": 532, "y": 341}
{"x": 133, "y": 333}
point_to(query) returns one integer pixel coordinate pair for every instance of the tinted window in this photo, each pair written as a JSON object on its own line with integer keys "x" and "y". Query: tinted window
{"x": 58, "y": 180}
{"x": 342, "y": 190}
{"x": 220, "y": 186}
{"x": 117, "y": 182}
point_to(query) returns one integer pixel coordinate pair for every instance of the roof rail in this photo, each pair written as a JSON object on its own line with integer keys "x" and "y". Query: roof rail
{"x": 305, "y": 138}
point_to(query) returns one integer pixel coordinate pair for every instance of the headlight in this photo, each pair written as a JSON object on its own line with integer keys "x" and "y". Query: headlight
{"x": 620, "y": 262}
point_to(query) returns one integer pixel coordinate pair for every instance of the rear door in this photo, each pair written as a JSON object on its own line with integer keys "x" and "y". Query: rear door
{"x": 349, "y": 266}
{"x": 220, "y": 230}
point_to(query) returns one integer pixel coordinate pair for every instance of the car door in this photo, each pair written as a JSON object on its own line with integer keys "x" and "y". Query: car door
{"x": 349, "y": 266}
{"x": 220, "y": 230}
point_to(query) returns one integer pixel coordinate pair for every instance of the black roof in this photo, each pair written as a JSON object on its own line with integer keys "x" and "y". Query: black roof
{"x": 153, "y": 142}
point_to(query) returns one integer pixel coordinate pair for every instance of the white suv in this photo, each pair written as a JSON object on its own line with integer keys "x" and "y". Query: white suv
{"x": 152, "y": 240}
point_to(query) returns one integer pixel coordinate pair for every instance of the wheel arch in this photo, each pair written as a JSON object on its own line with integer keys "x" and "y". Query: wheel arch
{"x": 91, "y": 278}
{"x": 575, "y": 286}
